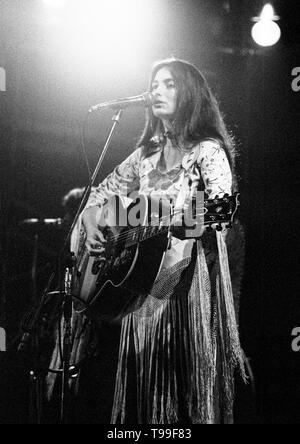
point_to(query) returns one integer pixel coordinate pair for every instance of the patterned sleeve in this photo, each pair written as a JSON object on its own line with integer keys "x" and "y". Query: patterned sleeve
{"x": 215, "y": 169}
{"x": 122, "y": 181}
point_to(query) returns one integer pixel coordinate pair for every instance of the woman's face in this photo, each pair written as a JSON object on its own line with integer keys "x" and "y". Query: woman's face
{"x": 164, "y": 94}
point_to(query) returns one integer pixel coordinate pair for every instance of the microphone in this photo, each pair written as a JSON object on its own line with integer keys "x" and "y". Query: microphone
{"x": 50, "y": 222}
{"x": 144, "y": 99}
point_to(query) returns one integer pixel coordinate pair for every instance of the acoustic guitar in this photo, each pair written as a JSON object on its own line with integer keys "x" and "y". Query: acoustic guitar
{"x": 135, "y": 250}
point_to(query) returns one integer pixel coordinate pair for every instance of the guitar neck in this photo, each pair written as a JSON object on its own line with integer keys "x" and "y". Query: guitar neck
{"x": 215, "y": 212}
{"x": 142, "y": 233}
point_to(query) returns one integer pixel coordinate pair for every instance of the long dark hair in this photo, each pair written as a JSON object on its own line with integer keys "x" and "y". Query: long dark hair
{"x": 197, "y": 115}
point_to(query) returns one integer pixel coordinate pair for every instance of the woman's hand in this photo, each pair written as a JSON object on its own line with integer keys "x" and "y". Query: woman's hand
{"x": 94, "y": 237}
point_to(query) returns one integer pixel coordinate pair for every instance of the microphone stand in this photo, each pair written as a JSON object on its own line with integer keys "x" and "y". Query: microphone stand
{"x": 66, "y": 292}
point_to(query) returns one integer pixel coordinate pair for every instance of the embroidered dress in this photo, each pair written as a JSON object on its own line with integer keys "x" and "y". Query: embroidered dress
{"x": 207, "y": 159}
{"x": 179, "y": 346}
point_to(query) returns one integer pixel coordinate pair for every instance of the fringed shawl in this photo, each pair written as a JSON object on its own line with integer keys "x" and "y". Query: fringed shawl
{"x": 185, "y": 346}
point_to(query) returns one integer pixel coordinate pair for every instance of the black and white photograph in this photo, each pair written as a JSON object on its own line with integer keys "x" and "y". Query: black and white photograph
{"x": 149, "y": 212}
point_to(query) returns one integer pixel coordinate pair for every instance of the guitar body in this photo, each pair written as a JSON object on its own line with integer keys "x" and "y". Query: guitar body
{"x": 129, "y": 266}
{"x": 137, "y": 238}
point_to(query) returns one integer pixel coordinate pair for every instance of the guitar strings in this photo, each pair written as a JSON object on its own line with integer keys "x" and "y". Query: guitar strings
{"x": 119, "y": 238}
{"x": 123, "y": 237}
{"x": 142, "y": 228}
{"x": 137, "y": 230}
{"x": 150, "y": 227}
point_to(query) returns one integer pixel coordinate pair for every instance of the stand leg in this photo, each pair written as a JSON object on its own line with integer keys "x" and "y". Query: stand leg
{"x": 67, "y": 344}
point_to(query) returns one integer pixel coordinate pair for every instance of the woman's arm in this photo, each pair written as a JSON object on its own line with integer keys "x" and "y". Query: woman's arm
{"x": 215, "y": 169}
{"x": 122, "y": 181}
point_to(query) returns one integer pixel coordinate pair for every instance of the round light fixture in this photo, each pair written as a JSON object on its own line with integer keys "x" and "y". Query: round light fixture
{"x": 266, "y": 31}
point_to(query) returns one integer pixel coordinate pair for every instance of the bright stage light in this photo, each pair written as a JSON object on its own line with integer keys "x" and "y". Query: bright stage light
{"x": 108, "y": 32}
{"x": 268, "y": 13}
{"x": 266, "y": 31}
{"x": 112, "y": 20}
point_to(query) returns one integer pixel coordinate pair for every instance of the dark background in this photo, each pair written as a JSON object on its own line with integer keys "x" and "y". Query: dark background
{"x": 49, "y": 90}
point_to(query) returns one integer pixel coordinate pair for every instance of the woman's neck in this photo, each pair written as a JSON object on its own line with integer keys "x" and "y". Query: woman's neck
{"x": 177, "y": 143}
{"x": 168, "y": 126}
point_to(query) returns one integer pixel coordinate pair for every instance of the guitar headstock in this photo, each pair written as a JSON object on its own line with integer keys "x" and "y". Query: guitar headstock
{"x": 220, "y": 212}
